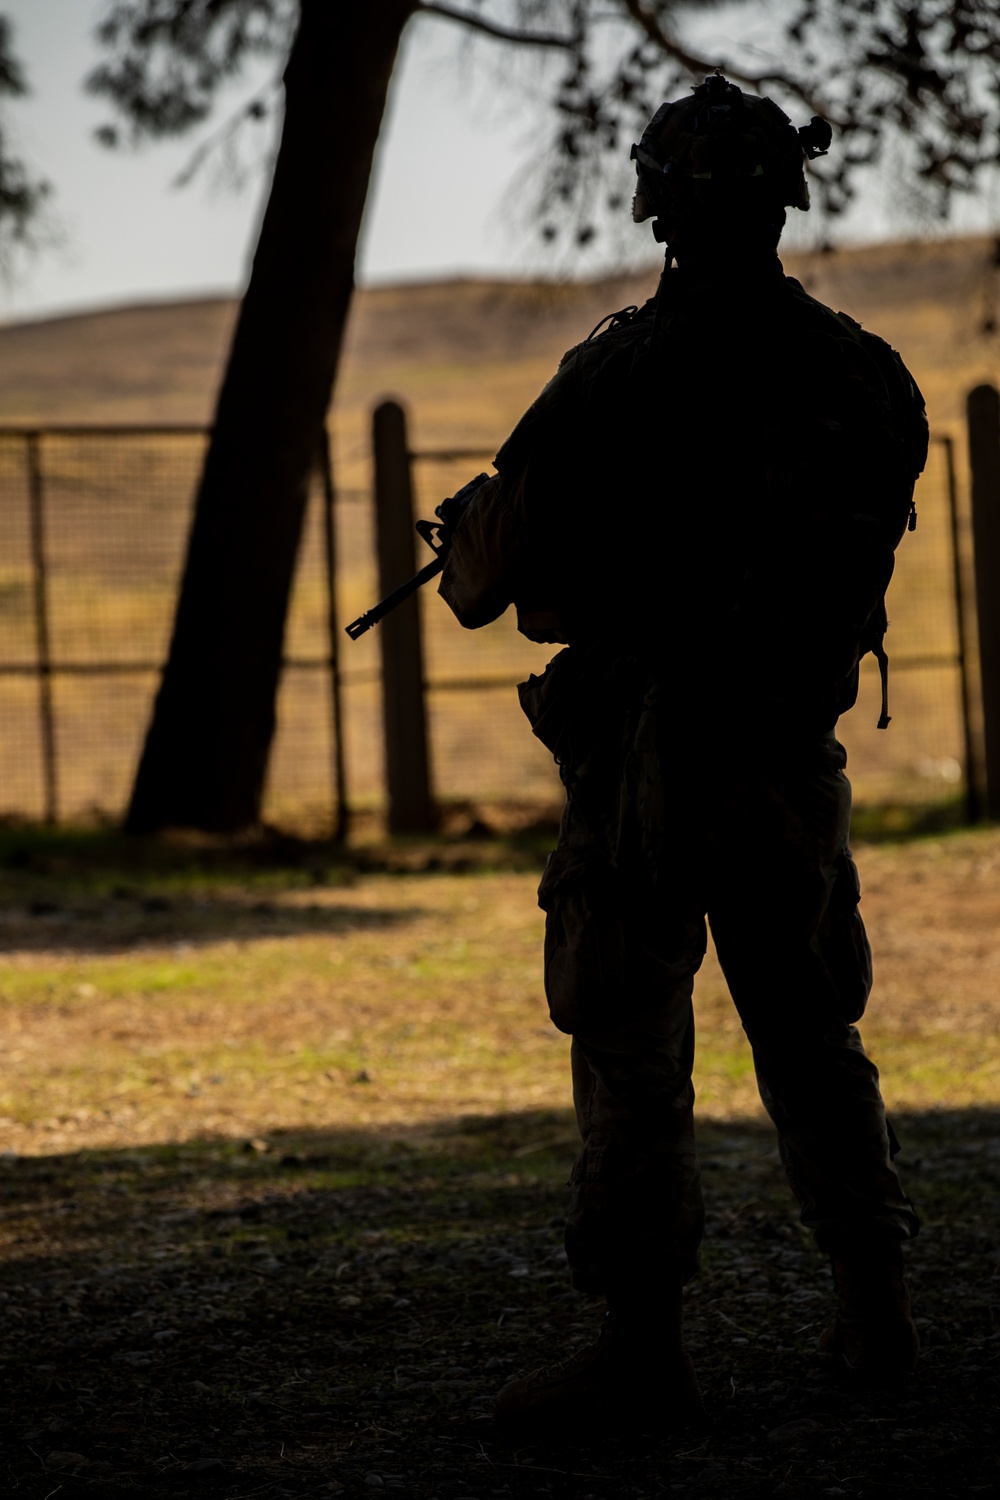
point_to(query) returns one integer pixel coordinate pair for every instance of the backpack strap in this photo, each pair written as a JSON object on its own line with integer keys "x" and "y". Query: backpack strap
{"x": 879, "y": 653}
{"x": 613, "y": 320}
{"x": 874, "y": 641}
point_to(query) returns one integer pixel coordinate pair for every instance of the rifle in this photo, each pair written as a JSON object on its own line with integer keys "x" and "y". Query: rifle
{"x": 437, "y": 534}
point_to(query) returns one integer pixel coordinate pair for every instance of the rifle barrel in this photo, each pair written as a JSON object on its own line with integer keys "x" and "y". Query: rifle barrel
{"x": 388, "y": 604}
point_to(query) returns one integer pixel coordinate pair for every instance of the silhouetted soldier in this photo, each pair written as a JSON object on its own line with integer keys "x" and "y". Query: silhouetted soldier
{"x": 704, "y": 503}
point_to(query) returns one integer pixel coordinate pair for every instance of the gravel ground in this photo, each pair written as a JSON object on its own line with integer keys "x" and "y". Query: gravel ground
{"x": 331, "y": 1314}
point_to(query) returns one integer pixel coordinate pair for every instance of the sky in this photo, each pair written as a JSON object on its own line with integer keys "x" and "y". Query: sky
{"x": 448, "y": 195}
{"x": 117, "y": 230}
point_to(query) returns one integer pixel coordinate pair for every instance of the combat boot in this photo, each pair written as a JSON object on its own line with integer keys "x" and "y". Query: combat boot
{"x": 873, "y": 1332}
{"x": 636, "y": 1375}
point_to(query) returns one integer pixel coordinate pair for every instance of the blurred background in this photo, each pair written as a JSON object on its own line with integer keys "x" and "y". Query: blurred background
{"x": 120, "y": 293}
{"x": 282, "y": 1122}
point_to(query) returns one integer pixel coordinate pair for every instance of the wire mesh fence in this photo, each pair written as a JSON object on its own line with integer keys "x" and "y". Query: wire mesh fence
{"x": 91, "y": 534}
{"x": 482, "y": 749}
{"x": 93, "y": 526}
{"x": 922, "y": 759}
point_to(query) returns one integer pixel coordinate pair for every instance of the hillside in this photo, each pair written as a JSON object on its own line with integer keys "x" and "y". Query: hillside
{"x": 467, "y": 355}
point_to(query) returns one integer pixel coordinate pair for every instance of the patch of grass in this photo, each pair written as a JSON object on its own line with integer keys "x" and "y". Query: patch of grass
{"x": 893, "y": 822}
{"x": 180, "y": 995}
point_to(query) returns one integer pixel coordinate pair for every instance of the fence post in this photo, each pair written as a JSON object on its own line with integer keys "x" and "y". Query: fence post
{"x": 411, "y": 809}
{"x": 46, "y": 713}
{"x": 974, "y": 789}
{"x": 983, "y": 408}
{"x": 342, "y": 817}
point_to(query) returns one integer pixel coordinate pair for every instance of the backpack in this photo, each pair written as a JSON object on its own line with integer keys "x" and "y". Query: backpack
{"x": 907, "y": 423}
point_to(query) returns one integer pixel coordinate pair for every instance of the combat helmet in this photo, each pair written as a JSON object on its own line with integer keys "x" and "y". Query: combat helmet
{"x": 721, "y": 142}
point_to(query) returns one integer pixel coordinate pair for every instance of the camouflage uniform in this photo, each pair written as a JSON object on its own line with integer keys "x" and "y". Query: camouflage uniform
{"x": 703, "y": 503}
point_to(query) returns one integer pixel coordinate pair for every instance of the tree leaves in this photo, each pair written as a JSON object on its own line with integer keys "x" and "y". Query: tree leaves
{"x": 21, "y": 193}
{"x": 167, "y": 59}
{"x": 907, "y": 82}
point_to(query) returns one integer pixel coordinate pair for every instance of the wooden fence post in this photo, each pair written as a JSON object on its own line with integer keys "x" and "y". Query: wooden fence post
{"x": 341, "y": 817}
{"x": 983, "y": 407}
{"x": 47, "y": 721}
{"x": 975, "y": 791}
{"x": 407, "y": 763}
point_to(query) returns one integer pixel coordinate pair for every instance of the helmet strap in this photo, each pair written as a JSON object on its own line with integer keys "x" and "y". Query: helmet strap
{"x": 660, "y": 316}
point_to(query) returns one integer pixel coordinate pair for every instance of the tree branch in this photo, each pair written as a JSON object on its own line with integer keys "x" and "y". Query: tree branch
{"x": 656, "y": 34}
{"x": 227, "y": 131}
{"x": 491, "y": 28}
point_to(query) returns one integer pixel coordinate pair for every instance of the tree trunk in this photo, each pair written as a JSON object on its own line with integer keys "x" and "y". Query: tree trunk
{"x": 206, "y": 752}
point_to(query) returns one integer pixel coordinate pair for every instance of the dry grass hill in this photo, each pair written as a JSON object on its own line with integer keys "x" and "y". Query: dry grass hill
{"x": 468, "y": 354}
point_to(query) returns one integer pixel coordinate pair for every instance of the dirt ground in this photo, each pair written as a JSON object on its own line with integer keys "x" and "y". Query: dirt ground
{"x": 285, "y": 1161}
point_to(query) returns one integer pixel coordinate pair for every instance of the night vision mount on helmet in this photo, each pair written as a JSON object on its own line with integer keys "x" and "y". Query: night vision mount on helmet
{"x": 723, "y": 142}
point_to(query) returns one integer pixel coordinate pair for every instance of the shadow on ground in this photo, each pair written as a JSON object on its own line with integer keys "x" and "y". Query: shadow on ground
{"x": 67, "y": 858}
{"x": 127, "y": 920}
{"x": 98, "y": 891}
{"x": 329, "y": 1313}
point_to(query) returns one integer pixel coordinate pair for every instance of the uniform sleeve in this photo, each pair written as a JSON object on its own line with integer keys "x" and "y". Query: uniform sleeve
{"x": 492, "y": 550}
{"x": 480, "y": 577}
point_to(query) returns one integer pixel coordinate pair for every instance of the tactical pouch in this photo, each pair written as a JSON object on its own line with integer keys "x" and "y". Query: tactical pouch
{"x": 548, "y": 703}
{"x": 584, "y": 938}
{"x": 581, "y": 693}
{"x": 846, "y": 949}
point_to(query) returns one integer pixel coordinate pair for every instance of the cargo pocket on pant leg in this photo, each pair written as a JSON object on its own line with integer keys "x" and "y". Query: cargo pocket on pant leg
{"x": 584, "y": 938}
{"x": 848, "y": 955}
